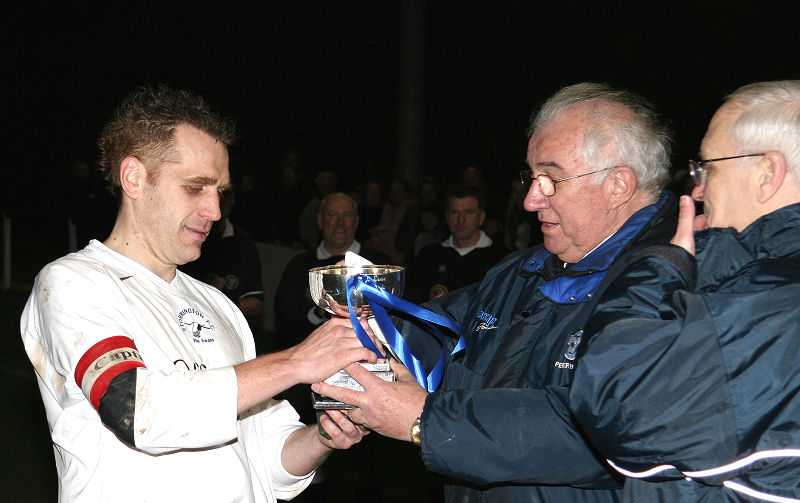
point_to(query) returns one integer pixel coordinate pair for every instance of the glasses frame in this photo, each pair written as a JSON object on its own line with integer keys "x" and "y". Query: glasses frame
{"x": 698, "y": 171}
{"x": 526, "y": 177}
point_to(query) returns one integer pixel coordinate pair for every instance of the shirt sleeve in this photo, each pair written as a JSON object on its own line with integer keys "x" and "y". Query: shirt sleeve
{"x": 83, "y": 321}
{"x": 264, "y": 431}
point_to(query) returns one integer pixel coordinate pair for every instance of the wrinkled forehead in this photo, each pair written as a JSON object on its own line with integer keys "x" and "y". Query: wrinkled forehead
{"x": 340, "y": 204}
{"x": 462, "y": 203}
{"x": 560, "y": 142}
{"x": 717, "y": 141}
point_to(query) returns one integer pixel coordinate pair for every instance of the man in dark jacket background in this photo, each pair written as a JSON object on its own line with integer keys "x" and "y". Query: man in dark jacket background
{"x": 499, "y": 427}
{"x": 461, "y": 259}
{"x": 692, "y": 392}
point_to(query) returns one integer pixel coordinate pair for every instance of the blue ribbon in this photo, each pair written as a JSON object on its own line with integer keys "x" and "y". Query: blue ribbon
{"x": 379, "y": 299}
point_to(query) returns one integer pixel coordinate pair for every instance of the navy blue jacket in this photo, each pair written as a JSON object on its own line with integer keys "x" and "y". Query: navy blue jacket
{"x": 695, "y": 393}
{"x": 500, "y": 424}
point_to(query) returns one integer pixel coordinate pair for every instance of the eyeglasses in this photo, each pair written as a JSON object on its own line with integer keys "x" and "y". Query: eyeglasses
{"x": 698, "y": 171}
{"x": 546, "y": 183}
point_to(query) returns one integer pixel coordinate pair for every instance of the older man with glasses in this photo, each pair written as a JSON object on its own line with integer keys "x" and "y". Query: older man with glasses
{"x": 499, "y": 427}
{"x": 692, "y": 389}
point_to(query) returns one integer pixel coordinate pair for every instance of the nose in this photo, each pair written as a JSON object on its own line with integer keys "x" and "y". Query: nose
{"x": 534, "y": 199}
{"x": 210, "y": 207}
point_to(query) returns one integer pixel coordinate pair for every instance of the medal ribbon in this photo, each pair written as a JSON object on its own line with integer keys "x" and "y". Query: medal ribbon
{"x": 379, "y": 299}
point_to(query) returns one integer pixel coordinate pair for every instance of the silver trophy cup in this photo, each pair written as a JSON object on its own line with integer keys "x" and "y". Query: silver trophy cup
{"x": 328, "y": 286}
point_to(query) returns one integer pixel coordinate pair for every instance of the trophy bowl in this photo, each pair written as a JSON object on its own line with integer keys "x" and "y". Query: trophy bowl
{"x": 328, "y": 286}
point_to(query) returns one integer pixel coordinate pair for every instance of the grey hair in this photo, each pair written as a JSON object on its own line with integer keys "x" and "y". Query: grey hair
{"x": 769, "y": 120}
{"x": 615, "y": 118}
{"x": 337, "y": 195}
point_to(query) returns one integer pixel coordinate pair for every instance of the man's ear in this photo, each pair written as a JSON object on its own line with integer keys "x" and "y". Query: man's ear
{"x": 319, "y": 219}
{"x": 132, "y": 174}
{"x": 622, "y": 185}
{"x": 770, "y": 174}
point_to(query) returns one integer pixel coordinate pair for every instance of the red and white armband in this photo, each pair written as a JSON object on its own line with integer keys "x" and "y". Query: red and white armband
{"x": 103, "y": 362}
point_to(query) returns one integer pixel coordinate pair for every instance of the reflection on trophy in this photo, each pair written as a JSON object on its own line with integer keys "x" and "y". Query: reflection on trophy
{"x": 329, "y": 290}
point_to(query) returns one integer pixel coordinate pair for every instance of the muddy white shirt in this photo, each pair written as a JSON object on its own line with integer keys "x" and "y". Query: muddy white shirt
{"x": 95, "y": 311}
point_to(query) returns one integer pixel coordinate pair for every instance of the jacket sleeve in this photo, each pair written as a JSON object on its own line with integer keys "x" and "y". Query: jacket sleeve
{"x": 509, "y": 435}
{"x": 650, "y": 390}
{"x": 292, "y": 305}
{"x": 486, "y": 436}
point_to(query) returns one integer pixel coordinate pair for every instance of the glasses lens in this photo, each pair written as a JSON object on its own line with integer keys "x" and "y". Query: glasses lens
{"x": 546, "y": 185}
{"x": 698, "y": 172}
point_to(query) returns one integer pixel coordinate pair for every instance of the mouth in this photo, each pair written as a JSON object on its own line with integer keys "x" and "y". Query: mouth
{"x": 548, "y": 226}
{"x": 199, "y": 234}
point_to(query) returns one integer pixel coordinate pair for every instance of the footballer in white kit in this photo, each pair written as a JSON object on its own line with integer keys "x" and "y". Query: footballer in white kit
{"x": 95, "y": 315}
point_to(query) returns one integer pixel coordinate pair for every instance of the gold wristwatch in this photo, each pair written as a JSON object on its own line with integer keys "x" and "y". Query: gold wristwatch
{"x": 415, "y": 431}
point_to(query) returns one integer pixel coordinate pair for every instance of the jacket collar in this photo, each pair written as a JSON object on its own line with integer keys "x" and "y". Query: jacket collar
{"x": 562, "y": 284}
{"x": 723, "y": 251}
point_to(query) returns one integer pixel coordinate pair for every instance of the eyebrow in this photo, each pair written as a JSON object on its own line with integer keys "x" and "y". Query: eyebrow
{"x": 552, "y": 164}
{"x": 549, "y": 164}
{"x": 207, "y": 180}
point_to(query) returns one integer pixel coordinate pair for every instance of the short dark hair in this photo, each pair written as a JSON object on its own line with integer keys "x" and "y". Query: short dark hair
{"x": 460, "y": 192}
{"x": 144, "y": 125}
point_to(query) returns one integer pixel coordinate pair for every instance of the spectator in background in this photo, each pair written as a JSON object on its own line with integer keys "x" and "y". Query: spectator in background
{"x": 521, "y": 227}
{"x": 398, "y": 225}
{"x": 432, "y": 227}
{"x": 324, "y": 183}
{"x": 89, "y": 204}
{"x": 252, "y": 206}
{"x": 229, "y": 261}
{"x": 288, "y": 200}
{"x": 472, "y": 177}
{"x": 461, "y": 259}
{"x": 370, "y": 206}
{"x": 296, "y": 316}
{"x": 428, "y": 193}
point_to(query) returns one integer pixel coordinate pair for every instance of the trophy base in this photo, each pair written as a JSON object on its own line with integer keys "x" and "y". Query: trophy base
{"x": 343, "y": 379}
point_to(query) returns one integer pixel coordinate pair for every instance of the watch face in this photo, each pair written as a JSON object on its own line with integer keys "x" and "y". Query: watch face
{"x": 415, "y": 432}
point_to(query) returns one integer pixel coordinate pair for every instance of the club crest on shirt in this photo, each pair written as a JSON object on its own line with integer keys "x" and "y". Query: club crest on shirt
{"x": 488, "y": 322}
{"x": 231, "y": 282}
{"x": 197, "y": 325}
{"x": 572, "y": 345}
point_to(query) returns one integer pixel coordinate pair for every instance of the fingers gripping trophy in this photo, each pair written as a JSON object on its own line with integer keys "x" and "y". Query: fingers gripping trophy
{"x": 360, "y": 290}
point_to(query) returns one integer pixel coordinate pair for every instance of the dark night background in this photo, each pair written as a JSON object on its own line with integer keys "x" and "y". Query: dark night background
{"x": 324, "y": 77}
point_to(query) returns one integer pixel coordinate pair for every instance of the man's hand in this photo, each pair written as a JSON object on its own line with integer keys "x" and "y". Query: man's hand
{"x": 688, "y": 224}
{"x": 389, "y": 408}
{"x": 329, "y": 348}
{"x": 344, "y": 433}
{"x": 306, "y": 449}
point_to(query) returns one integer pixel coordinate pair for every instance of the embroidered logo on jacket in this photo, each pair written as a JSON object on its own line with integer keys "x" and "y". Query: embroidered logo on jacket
{"x": 197, "y": 324}
{"x": 572, "y": 345}
{"x": 488, "y": 322}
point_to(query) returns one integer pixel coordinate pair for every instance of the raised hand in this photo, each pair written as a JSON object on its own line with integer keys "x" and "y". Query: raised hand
{"x": 688, "y": 223}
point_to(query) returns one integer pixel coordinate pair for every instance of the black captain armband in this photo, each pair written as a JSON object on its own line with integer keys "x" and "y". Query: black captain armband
{"x": 107, "y": 375}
